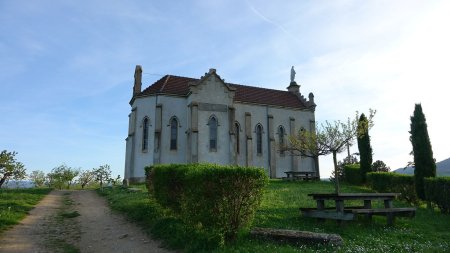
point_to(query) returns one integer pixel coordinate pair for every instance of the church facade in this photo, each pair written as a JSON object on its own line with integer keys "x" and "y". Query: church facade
{"x": 188, "y": 120}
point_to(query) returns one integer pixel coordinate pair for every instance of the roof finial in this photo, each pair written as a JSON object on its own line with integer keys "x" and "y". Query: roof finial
{"x": 292, "y": 74}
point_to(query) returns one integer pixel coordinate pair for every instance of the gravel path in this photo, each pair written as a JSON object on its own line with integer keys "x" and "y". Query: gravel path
{"x": 96, "y": 229}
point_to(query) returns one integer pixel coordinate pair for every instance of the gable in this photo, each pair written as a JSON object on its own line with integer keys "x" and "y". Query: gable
{"x": 211, "y": 88}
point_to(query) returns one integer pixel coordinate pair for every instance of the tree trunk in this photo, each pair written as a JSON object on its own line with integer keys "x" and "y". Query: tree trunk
{"x": 4, "y": 178}
{"x": 316, "y": 163}
{"x": 2, "y": 181}
{"x": 336, "y": 173}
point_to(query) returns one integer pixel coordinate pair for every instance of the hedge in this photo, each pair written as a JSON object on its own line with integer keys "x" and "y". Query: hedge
{"x": 437, "y": 190}
{"x": 220, "y": 199}
{"x": 166, "y": 182}
{"x": 394, "y": 182}
{"x": 352, "y": 174}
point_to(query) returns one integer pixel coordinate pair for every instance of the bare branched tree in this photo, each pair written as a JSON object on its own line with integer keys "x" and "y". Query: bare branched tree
{"x": 328, "y": 138}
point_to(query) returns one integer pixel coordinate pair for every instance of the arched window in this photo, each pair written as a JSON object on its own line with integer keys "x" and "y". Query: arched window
{"x": 145, "y": 125}
{"x": 212, "y": 133}
{"x": 259, "y": 132}
{"x": 173, "y": 133}
{"x": 237, "y": 130}
{"x": 281, "y": 143}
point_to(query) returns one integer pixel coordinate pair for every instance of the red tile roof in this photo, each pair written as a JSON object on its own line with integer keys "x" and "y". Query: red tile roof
{"x": 176, "y": 85}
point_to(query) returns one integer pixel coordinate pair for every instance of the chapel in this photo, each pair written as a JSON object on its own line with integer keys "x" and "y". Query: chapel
{"x": 189, "y": 120}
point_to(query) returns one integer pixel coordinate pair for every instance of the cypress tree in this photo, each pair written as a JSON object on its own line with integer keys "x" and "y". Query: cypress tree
{"x": 424, "y": 163}
{"x": 365, "y": 150}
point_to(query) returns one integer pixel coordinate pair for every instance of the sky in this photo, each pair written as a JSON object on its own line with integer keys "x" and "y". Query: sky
{"x": 67, "y": 67}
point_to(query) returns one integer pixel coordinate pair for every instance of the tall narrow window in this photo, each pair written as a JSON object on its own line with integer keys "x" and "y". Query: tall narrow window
{"x": 145, "y": 134}
{"x": 212, "y": 133}
{"x": 173, "y": 133}
{"x": 237, "y": 130}
{"x": 259, "y": 139}
{"x": 281, "y": 134}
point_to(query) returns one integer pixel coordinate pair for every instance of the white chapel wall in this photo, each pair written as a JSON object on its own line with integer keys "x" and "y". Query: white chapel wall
{"x": 173, "y": 107}
{"x": 145, "y": 107}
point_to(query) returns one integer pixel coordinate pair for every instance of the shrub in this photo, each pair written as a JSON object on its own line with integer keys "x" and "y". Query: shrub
{"x": 167, "y": 181}
{"x": 219, "y": 199}
{"x": 394, "y": 182}
{"x": 437, "y": 190}
{"x": 353, "y": 174}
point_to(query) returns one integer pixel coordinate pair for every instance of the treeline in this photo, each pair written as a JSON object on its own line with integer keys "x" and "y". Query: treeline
{"x": 60, "y": 177}
{"x": 64, "y": 176}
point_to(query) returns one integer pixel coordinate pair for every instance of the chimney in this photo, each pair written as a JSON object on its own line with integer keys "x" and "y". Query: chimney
{"x": 137, "y": 80}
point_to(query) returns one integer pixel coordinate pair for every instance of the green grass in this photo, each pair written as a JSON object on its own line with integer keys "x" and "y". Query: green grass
{"x": 429, "y": 231}
{"x": 16, "y": 203}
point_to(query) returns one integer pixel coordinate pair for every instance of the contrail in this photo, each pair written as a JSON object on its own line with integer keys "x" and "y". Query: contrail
{"x": 259, "y": 14}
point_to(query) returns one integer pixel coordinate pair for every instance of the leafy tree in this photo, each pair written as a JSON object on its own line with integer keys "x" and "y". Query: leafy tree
{"x": 69, "y": 174}
{"x": 380, "y": 166}
{"x": 61, "y": 176}
{"x": 365, "y": 150}
{"x": 37, "y": 177}
{"x": 424, "y": 163}
{"x": 102, "y": 174}
{"x": 85, "y": 178}
{"x": 10, "y": 167}
{"x": 328, "y": 138}
{"x": 55, "y": 177}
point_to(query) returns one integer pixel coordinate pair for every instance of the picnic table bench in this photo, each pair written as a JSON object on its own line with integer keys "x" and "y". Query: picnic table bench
{"x": 299, "y": 175}
{"x": 341, "y": 213}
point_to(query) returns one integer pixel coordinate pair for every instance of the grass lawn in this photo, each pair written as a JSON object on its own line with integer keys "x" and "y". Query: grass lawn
{"x": 429, "y": 231}
{"x": 15, "y": 204}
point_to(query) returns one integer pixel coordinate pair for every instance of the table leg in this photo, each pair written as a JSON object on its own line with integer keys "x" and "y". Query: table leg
{"x": 368, "y": 205}
{"x": 340, "y": 210}
{"x": 339, "y": 206}
{"x": 390, "y": 217}
{"x": 320, "y": 206}
{"x": 388, "y": 203}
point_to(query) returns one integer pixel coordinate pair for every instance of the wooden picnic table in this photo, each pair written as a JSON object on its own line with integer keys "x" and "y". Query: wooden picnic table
{"x": 341, "y": 212}
{"x": 296, "y": 175}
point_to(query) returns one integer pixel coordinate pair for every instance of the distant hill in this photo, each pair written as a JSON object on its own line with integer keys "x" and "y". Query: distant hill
{"x": 442, "y": 169}
{"x": 18, "y": 184}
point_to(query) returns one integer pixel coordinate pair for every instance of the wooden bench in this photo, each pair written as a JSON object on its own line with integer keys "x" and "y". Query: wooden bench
{"x": 300, "y": 175}
{"x": 340, "y": 212}
{"x": 390, "y": 213}
{"x": 350, "y": 213}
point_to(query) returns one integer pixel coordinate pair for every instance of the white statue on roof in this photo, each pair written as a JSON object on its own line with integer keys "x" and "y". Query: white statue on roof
{"x": 292, "y": 74}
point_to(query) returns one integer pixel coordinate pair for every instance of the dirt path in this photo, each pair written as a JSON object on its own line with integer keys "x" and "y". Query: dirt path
{"x": 68, "y": 221}
{"x": 27, "y": 235}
